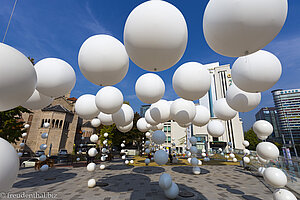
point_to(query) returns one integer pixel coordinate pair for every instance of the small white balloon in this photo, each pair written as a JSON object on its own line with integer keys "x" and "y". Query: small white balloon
{"x": 267, "y": 150}
{"x": 102, "y": 167}
{"x": 246, "y": 160}
{"x": 104, "y": 150}
{"x": 161, "y": 157}
{"x": 159, "y": 137}
{"x": 46, "y": 125}
{"x": 103, "y": 158}
{"x": 147, "y": 161}
{"x": 95, "y": 122}
{"x": 283, "y": 194}
{"x": 194, "y": 161}
{"x": 234, "y": 160}
{"x": 77, "y": 159}
{"x": 141, "y": 125}
{"x": 240, "y": 100}
{"x": 123, "y": 157}
{"x": 43, "y": 147}
{"x": 193, "y": 140}
{"x": 109, "y": 100}
{"x": 275, "y": 177}
{"x": 37, "y": 101}
{"x": 94, "y": 138}
{"x": 196, "y": 85}
{"x": 215, "y": 128}
{"x": 20, "y": 154}
{"x": 165, "y": 181}
{"x": 126, "y": 162}
{"x": 203, "y": 154}
{"x": 44, "y": 135}
{"x": 92, "y": 152}
{"x": 202, "y": 116}
{"x": 147, "y": 151}
{"x": 231, "y": 155}
{"x": 183, "y": 111}
{"x": 91, "y": 183}
{"x": 24, "y": 135}
{"x": 106, "y": 119}
{"x": 42, "y": 158}
{"x": 223, "y": 111}
{"x": 196, "y": 170}
{"x": 124, "y": 116}
{"x": 148, "y": 134}
{"x": 131, "y": 162}
{"x": 55, "y": 77}
{"x": 246, "y": 143}
{"x": 26, "y": 126}
{"x": 122, "y": 145}
{"x": 160, "y": 111}
{"x": 172, "y": 192}
{"x": 262, "y": 161}
{"x": 155, "y": 35}
{"x": 262, "y": 128}
{"x": 149, "y": 88}
{"x": 261, "y": 171}
{"x": 103, "y": 60}
{"x": 157, "y": 127}
{"x": 85, "y": 107}
{"x": 199, "y": 162}
{"x": 91, "y": 167}
{"x": 193, "y": 150}
{"x": 246, "y": 152}
{"x": 105, "y": 134}
{"x": 44, "y": 168}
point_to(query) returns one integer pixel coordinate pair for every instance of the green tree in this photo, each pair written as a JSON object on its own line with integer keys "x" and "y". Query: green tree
{"x": 251, "y": 137}
{"x": 11, "y": 124}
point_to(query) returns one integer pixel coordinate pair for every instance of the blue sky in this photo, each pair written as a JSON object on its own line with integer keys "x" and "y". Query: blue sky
{"x": 56, "y": 28}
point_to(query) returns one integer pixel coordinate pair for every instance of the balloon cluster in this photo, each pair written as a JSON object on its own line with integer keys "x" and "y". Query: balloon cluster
{"x": 170, "y": 188}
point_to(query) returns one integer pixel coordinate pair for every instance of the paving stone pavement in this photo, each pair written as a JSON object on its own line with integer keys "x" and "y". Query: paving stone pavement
{"x": 141, "y": 183}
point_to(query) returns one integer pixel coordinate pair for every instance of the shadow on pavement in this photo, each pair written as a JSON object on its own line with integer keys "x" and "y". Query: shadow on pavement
{"x": 188, "y": 170}
{"x": 237, "y": 192}
{"x": 119, "y": 167}
{"x": 148, "y": 170}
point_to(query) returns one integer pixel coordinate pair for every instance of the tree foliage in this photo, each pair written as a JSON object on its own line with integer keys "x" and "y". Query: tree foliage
{"x": 11, "y": 124}
{"x": 251, "y": 137}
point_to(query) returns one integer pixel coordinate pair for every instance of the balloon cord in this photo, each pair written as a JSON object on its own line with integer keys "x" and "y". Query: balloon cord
{"x": 12, "y": 12}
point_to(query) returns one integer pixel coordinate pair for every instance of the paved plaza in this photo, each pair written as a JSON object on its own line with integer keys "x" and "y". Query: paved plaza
{"x": 138, "y": 183}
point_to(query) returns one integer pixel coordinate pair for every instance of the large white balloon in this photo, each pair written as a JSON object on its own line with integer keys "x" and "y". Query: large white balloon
{"x": 172, "y": 192}
{"x": 215, "y": 128}
{"x": 223, "y": 111}
{"x": 155, "y": 35}
{"x": 94, "y": 138}
{"x": 125, "y": 129}
{"x": 165, "y": 181}
{"x": 124, "y": 116}
{"x": 55, "y": 77}
{"x": 262, "y": 128}
{"x": 103, "y": 60}
{"x": 256, "y": 72}
{"x": 149, "y": 118}
{"x": 160, "y": 111}
{"x": 92, "y": 152}
{"x": 246, "y": 143}
{"x": 240, "y": 100}
{"x": 267, "y": 150}
{"x": 149, "y": 88}
{"x": 159, "y": 137}
{"x": 85, "y": 106}
{"x": 91, "y": 183}
{"x": 91, "y": 167}
{"x": 109, "y": 99}
{"x": 95, "y": 122}
{"x": 196, "y": 85}
{"x": 275, "y": 177}
{"x": 283, "y": 194}
{"x": 37, "y": 101}
{"x": 161, "y": 157}
{"x": 18, "y": 78}
{"x": 141, "y": 124}
{"x": 183, "y": 111}
{"x": 202, "y": 116}
{"x": 235, "y": 28}
{"x": 9, "y": 165}
{"x": 106, "y": 119}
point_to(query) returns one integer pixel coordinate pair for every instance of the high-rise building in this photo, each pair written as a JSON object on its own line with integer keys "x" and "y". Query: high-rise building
{"x": 270, "y": 114}
{"x": 287, "y": 103}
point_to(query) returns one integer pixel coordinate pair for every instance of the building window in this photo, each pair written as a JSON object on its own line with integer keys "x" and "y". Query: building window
{"x": 60, "y": 123}
{"x": 56, "y": 123}
{"x": 42, "y": 123}
{"x": 169, "y": 139}
{"x": 169, "y": 128}
{"x": 53, "y": 122}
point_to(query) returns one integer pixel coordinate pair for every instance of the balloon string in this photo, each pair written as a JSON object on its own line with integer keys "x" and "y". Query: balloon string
{"x": 12, "y": 12}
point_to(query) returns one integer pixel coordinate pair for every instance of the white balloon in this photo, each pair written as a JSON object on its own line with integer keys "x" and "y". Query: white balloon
{"x": 20, "y": 154}
{"x": 231, "y": 155}
{"x": 246, "y": 143}
{"x": 9, "y": 165}
{"x": 147, "y": 143}
{"x": 131, "y": 161}
{"x": 94, "y": 138}
{"x": 199, "y": 162}
{"x": 165, "y": 181}
{"x": 43, "y": 147}
{"x": 95, "y": 122}
{"x": 44, "y": 135}
{"x": 246, "y": 152}
{"x": 91, "y": 167}
{"x": 109, "y": 99}
{"x": 202, "y": 116}
{"x": 155, "y": 35}
{"x": 194, "y": 161}
{"x": 104, "y": 150}
{"x": 77, "y": 159}
{"x": 125, "y": 129}
{"x": 196, "y": 170}
{"x": 147, "y": 151}
{"x": 262, "y": 128}
{"x": 149, "y": 88}
{"x": 196, "y": 85}
{"x": 22, "y": 145}
{"x": 261, "y": 171}
{"x": 236, "y": 29}
{"x": 126, "y": 162}
{"x": 223, "y": 111}
{"x": 283, "y": 194}
{"x": 106, "y": 119}
{"x": 234, "y": 160}
{"x": 105, "y": 134}
{"x": 92, "y": 152}
{"x": 193, "y": 140}
{"x": 102, "y": 167}
{"x": 26, "y": 126}
{"x": 262, "y": 161}
{"x": 157, "y": 127}
{"x": 160, "y": 111}
{"x": 123, "y": 157}
{"x": 18, "y": 78}
{"x": 161, "y": 157}
{"x": 172, "y": 192}
{"x": 203, "y": 154}
{"x": 55, "y": 77}
{"x": 47, "y": 125}
{"x": 91, "y": 183}
{"x": 193, "y": 150}
{"x": 159, "y": 137}
{"x": 44, "y": 168}
{"x": 124, "y": 116}
{"x": 215, "y": 128}
{"x": 149, "y": 119}
{"x": 256, "y": 72}
{"x": 103, "y": 60}
{"x": 142, "y": 125}
{"x": 37, "y": 101}
{"x": 147, "y": 161}
{"x": 267, "y": 151}
{"x": 85, "y": 106}
{"x": 24, "y": 135}
{"x": 122, "y": 145}
{"x": 246, "y": 160}
{"x": 183, "y": 111}
{"x": 275, "y": 177}
{"x": 148, "y": 134}
{"x": 240, "y": 100}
